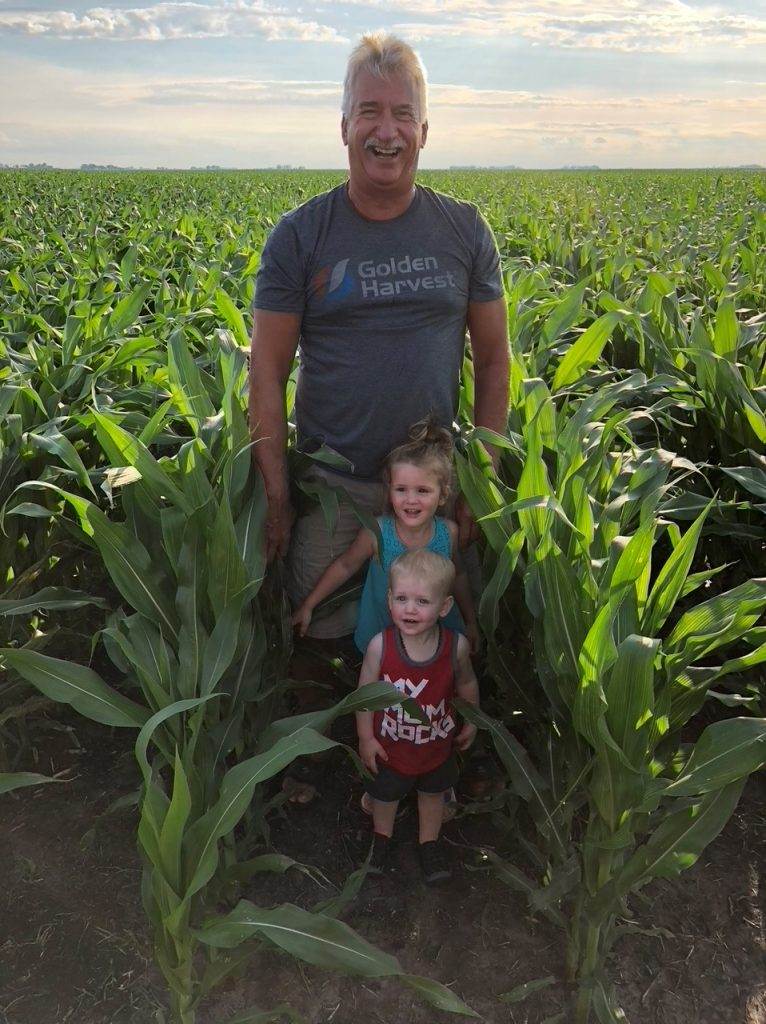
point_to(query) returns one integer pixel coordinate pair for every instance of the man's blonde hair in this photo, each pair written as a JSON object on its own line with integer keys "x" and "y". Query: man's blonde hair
{"x": 384, "y": 55}
{"x": 425, "y": 565}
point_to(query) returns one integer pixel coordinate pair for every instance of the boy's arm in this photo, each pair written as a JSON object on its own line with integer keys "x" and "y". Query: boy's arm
{"x": 334, "y": 576}
{"x": 462, "y": 590}
{"x": 369, "y": 748}
{"x": 467, "y": 688}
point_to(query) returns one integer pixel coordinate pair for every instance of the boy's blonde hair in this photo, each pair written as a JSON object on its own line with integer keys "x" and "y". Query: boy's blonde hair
{"x": 425, "y": 565}
{"x": 430, "y": 446}
{"x": 383, "y": 55}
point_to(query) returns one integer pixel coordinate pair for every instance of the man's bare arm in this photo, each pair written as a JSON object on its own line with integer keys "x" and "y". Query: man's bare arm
{"x": 274, "y": 343}
{"x": 488, "y": 331}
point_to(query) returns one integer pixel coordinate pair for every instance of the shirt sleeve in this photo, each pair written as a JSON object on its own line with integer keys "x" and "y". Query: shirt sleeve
{"x": 280, "y": 281}
{"x": 486, "y": 281}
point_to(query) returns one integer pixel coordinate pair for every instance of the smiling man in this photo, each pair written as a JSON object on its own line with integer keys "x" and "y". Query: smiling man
{"x": 376, "y": 283}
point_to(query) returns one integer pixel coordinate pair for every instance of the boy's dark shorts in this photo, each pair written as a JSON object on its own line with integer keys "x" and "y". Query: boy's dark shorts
{"x": 389, "y": 786}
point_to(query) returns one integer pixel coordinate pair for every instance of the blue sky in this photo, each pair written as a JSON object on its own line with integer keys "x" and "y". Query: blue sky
{"x": 254, "y": 83}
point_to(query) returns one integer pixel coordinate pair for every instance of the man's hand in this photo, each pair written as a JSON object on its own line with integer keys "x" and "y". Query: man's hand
{"x": 279, "y": 522}
{"x": 467, "y": 528}
{"x": 275, "y": 340}
{"x": 302, "y": 618}
{"x": 465, "y": 737}
{"x": 369, "y": 751}
{"x": 473, "y": 635}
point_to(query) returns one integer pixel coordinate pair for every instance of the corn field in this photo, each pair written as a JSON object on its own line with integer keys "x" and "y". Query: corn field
{"x": 622, "y": 546}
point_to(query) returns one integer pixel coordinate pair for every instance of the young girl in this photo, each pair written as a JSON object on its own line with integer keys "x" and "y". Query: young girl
{"x": 418, "y": 475}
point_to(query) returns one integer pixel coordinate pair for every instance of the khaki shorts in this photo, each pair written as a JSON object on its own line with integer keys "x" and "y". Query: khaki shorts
{"x": 313, "y": 547}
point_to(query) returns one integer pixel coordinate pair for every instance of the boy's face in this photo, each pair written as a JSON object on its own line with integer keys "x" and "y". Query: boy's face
{"x": 416, "y": 604}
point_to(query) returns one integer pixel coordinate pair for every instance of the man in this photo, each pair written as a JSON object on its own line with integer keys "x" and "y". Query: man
{"x": 376, "y": 281}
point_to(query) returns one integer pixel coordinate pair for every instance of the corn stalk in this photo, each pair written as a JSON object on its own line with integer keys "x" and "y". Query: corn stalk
{"x": 603, "y": 572}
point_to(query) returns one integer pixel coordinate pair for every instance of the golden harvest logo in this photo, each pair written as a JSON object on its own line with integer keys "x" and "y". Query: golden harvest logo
{"x": 391, "y": 277}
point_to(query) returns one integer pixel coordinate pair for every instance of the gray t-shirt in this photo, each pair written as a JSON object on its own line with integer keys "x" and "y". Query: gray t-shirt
{"x": 383, "y": 307}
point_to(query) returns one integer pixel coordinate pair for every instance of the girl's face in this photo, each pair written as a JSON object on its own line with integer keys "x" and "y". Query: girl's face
{"x": 415, "y": 493}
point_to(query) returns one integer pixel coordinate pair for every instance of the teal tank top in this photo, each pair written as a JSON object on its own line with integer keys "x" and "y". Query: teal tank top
{"x": 374, "y": 615}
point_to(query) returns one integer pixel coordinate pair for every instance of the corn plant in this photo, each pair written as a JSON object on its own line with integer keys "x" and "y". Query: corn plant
{"x": 199, "y": 682}
{"x": 619, "y": 799}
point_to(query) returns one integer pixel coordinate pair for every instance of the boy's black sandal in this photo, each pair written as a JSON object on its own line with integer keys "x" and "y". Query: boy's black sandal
{"x": 434, "y": 862}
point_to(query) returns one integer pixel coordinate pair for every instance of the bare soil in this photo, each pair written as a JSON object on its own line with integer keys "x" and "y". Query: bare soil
{"x": 74, "y": 945}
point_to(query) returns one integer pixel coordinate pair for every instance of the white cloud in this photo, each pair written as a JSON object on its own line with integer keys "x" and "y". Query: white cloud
{"x": 664, "y": 26}
{"x": 215, "y": 91}
{"x": 73, "y": 116}
{"x": 165, "y": 21}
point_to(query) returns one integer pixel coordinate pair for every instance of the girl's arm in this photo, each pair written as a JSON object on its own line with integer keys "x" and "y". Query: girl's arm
{"x": 369, "y": 748}
{"x": 467, "y": 688}
{"x": 335, "y": 575}
{"x": 462, "y": 589}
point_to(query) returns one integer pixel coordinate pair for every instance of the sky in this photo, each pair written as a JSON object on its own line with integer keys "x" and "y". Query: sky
{"x": 257, "y": 83}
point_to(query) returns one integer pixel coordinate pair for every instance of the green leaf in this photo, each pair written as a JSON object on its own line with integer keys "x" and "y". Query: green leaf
{"x": 726, "y": 334}
{"x": 566, "y": 313}
{"x": 191, "y": 397}
{"x": 68, "y": 683}
{"x": 17, "y": 780}
{"x": 607, "y": 1011}
{"x": 221, "y": 646}
{"x": 753, "y": 480}
{"x": 725, "y": 752}
{"x": 49, "y": 599}
{"x": 250, "y": 532}
{"x": 744, "y": 601}
{"x": 276, "y": 1016}
{"x": 127, "y": 309}
{"x": 437, "y": 995}
{"x": 585, "y": 351}
{"x": 371, "y": 697}
{"x": 335, "y": 905}
{"x": 674, "y": 846}
{"x": 521, "y": 992}
{"x": 313, "y": 938}
{"x": 233, "y": 317}
{"x": 235, "y": 794}
{"x": 54, "y": 442}
{"x": 222, "y": 552}
{"x": 126, "y": 559}
{"x": 597, "y": 654}
{"x": 516, "y": 880}
{"x": 524, "y": 777}
{"x": 671, "y": 578}
{"x": 124, "y": 449}
{"x": 274, "y": 863}
{"x": 492, "y": 594}
{"x": 324, "y": 942}
{"x": 630, "y": 696}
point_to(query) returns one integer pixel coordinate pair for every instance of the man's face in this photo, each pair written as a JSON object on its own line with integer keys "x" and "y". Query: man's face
{"x": 384, "y": 134}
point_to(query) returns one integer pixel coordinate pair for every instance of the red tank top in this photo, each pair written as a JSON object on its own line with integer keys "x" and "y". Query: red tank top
{"x": 415, "y": 747}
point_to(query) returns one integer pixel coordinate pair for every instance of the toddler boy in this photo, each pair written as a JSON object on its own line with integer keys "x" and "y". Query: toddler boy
{"x": 429, "y": 663}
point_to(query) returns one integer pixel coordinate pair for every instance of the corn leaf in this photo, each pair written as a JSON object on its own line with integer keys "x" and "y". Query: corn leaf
{"x": 584, "y": 352}
{"x": 18, "y": 780}
{"x": 674, "y": 846}
{"x": 84, "y": 689}
{"x": 725, "y": 752}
